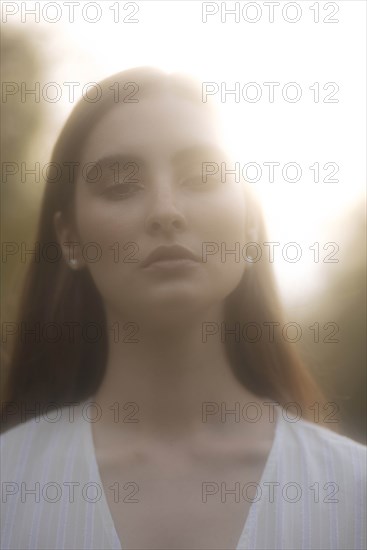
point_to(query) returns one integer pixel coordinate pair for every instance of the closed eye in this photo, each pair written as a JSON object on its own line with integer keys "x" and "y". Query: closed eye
{"x": 199, "y": 181}
{"x": 122, "y": 190}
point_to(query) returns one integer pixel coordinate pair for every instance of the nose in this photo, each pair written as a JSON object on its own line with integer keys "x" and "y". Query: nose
{"x": 163, "y": 213}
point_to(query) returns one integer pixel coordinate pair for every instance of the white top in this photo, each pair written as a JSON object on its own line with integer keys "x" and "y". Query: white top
{"x": 53, "y": 498}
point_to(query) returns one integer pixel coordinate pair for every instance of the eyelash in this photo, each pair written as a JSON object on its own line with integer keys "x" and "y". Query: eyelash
{"x": 209, "y": 181}
{"x": 109, "y": 192}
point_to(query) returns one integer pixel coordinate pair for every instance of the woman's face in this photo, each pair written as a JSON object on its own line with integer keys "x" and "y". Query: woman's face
{"x": 159, "y": 199}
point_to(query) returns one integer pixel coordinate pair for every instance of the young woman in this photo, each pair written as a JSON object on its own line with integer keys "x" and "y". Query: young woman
{"x": 156, "y": 405}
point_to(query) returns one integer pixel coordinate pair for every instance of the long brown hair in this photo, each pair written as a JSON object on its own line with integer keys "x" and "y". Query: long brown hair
{"x": 70, "y": 369}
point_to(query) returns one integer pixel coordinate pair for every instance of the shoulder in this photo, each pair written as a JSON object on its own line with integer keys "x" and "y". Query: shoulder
{"x": 319, "y": 481}
{"x": 320, "y": 435}
{"x": 324, "y": 453}
{"x": 36, "y": 441}
{"x": 52, "y": 497}
{"x": 313, "y": 494}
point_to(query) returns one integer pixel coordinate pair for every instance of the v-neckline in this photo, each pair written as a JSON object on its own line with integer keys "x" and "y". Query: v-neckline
{"x": 111, "y": 532}
{"x": 270, "y": 462}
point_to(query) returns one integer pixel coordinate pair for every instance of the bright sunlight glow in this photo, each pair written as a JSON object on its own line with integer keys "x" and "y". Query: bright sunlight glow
{"x": 303, "y": 135}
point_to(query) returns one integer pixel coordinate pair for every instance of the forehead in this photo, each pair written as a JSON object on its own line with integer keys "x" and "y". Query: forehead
{"x": 154, "y": 129}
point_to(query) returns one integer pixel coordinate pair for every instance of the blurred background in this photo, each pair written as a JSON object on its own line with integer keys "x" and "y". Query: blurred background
{"x": 173, "y": 36}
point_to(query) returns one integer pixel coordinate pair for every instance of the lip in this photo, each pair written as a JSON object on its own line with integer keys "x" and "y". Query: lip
{"x": 170, "y": 256}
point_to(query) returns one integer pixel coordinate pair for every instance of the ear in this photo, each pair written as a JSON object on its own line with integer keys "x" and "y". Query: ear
{"x": 68, "y": 240}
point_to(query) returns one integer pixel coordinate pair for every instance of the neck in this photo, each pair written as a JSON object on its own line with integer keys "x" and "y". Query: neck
{"x": 177, "y": 382}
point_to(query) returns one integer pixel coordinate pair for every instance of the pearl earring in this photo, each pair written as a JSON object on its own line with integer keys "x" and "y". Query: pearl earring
{"x": 73, "y": 262}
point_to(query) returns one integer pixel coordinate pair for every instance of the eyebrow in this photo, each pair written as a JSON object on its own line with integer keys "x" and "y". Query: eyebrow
{"x": 200, "y": 152}
{"x": 197, "y": 151}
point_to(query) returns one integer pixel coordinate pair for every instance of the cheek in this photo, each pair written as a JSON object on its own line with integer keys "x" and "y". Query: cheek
{"x": 113, "y": 272}
{"x": 104, "y": 223}
{"x": 223, "y": 218}
{"x": 223, "y": 238}
{"x": 109, "y": 243}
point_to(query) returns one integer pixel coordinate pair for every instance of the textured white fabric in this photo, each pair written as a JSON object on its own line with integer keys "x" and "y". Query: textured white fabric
{"x": 53, "y": 498}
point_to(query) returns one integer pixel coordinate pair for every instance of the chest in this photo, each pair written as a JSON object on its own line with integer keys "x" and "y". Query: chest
{"x": 175, "y": 505}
